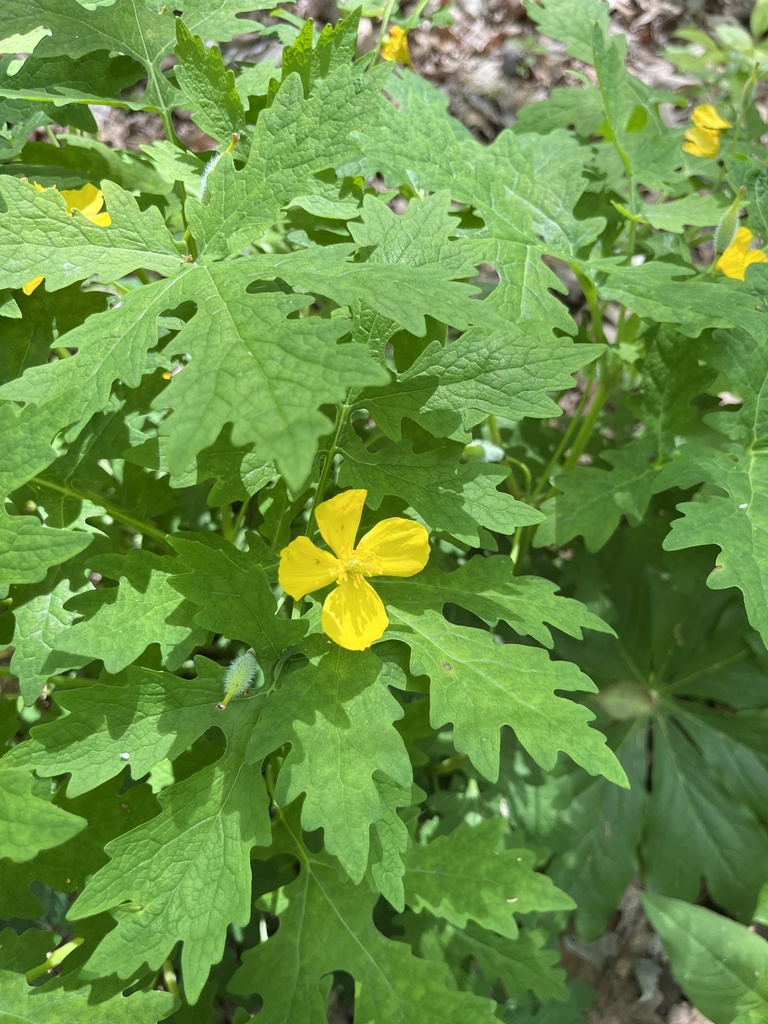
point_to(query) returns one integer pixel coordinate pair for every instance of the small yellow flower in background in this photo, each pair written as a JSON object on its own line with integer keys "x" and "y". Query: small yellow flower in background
{"x": 396, "y": 46}
{"x": 704, "y": 139}
{"x": 738, "y": 256}
{"x": 89, "y": 201}
{"x": 354, "y": 616}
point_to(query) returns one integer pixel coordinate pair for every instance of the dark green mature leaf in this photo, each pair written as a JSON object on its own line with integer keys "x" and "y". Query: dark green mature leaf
{"x": 338, "y": 718}
{"x": 231, "y": 591}
{"x": 120, "y": 623}
{"x": 66, "y": 867}
{"x": 489, "y": 588}
{"x": 56, "y": 1002}
{"x": 59, "y": 80}
{"x": 480, "y": 686}
{"x": 448, "y": 495}
{"x": 29, "y": 823}
{"x": 327, "y": 926}
{"x": 468, "y": 875}
{"x": 41, "y": 238}
{"x": 721, "y": 966}
{"x": 154, "y": 716}
{"x": 696, "y": 830}
{"x": 208, "y": 86}
{"x": 187, "y": 872}
{"x": 592, "y": 501}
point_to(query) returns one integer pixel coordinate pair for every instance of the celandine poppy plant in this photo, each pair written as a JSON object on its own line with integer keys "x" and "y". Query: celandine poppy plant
{"x": 353, "y": 613}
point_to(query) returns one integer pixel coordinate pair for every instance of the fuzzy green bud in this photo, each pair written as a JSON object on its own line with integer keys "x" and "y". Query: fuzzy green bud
{"x": 729, "y": 224}
{"x": 238, "y": 677}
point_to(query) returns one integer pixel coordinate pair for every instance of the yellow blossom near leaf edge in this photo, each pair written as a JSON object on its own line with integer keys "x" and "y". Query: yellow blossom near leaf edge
{"x": 88, "y": 200}
{"x": 396, "y": 46}
{"x": 353, "y": 615}
{"x": 704, "y": 139}
{"x": 738, "y": 256}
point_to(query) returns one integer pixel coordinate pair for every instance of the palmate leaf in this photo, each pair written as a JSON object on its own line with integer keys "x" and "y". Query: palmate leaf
{"x": 479, "y": 686}
{"x": 120, "y": 623}
{"x": 468, "y": 875}
{"x": 187, "y": 872}
{"x": 697, "y": 830}
{"x": 451, "y": 496}
{"x": 155, "y": 715}
{"x": 39, "y": 237}
{"x": 338, "y": 718}
{"x": 30, "y": 823}
{"x": 327, "y": 926}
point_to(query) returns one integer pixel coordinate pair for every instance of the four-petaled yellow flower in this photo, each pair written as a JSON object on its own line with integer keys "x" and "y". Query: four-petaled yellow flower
{"x": 704, "y": 139}
{"x": 89, "y": 201}
{"x": 738, "y": 256}
{"x": 353, "y": 613}
{"x": 396, "y": 46}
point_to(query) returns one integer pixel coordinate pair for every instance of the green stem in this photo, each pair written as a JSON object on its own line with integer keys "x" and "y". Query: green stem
{"x": 342, "y": 412}
{"x": 57, "y": 957}
{"x": 543, "y": 479}
{"x": 140, "y": 525}
{"x": 382, "y": 32}
{"x": 587, "y": 425}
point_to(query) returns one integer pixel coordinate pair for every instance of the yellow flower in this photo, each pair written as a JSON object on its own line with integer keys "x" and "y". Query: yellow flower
{"x": 89, "y": 201}
{"x": 353, "y": 613}
{"x": 396, "y": 46}
{"x": 738, "y": 256}
{"x": 704, "y": 139}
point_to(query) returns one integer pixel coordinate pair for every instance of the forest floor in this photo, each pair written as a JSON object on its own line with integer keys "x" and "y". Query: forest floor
{"x": 491, "y": 61}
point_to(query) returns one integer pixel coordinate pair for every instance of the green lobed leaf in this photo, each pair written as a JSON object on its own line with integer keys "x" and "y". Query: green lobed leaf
{"x": 155, "y": 715}
{"x": 327, "y": 926}
{"x": 480, "y": 686}
{"x": 338, "y": 718}
{"x": 187, "y": 872}
{"x": 208, "y": 86}
{"x": 450, "y": 496}
{"x": 28, "y": 822}
{"x": 468, "y": 875}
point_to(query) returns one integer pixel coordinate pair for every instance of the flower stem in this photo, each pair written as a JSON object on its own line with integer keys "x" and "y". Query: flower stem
{"x": 343, "y": 410}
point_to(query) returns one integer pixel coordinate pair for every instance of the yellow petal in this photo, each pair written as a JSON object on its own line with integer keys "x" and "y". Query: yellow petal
{"x": 354, "y": 616}
{"x": 738, "y": 256}
{"x": 338, "y": 520}
{"x": 705, "y": 116}
{"x": 304, "y": 567}
{"x": 396, "y": 547}
{"x": 88, "y": 200}
{"x": 30, "y": 286}
{"x": 396, "y": 46}
{"x": 702, "y": 142}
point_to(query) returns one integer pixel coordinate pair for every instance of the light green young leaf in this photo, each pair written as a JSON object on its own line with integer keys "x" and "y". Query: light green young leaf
{"x": 293, "y": 140}
{"x": 208, "y": 86}
{"x": 571, "y": 22}
{"x": 721, "y": 966}
{"x": 233, "y": 595}
{"x": 28, "y": 823}
{"x": 480, "y": 686}
{"x": 327, "y": 926}
{"x": 338, "y": 718}
{"x": 489, "y": 588}
{"x": 154, "y": 716}
{"x": 187, "y": 872}
{"x": 41, "y": 238}
{"x": 468, "y": 875}
{"x": 120, "y": 623}
{"x": 448, "y": 495}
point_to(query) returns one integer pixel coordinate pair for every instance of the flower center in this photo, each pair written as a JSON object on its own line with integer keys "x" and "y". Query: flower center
{"x": 359, "y": 565}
